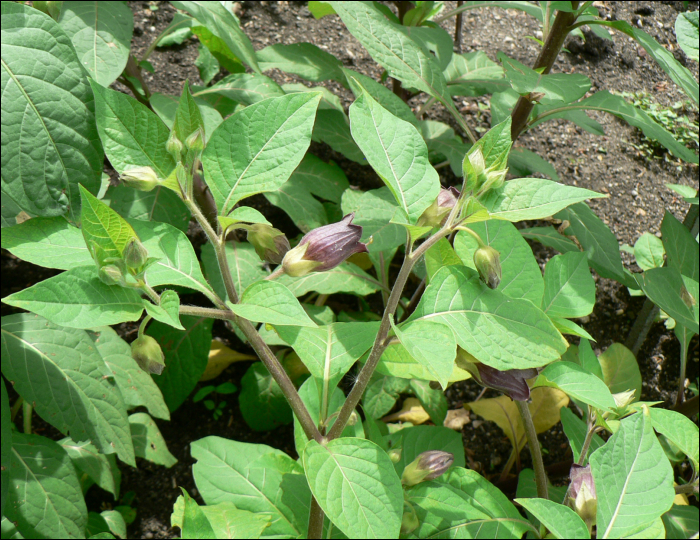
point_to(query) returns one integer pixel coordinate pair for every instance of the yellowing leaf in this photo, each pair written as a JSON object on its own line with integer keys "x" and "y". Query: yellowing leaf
{"x": 412, "y": 411}
{"x": 220, "y": 357}
{"x": 545, "y": 408}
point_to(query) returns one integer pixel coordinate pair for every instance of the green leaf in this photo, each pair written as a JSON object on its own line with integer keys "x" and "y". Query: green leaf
{"x": 444, "y": 144}
{"x": 303, "y": 59}
{"x": 296, "y": 196}
{"x": 168, "y": 312}
{"x": 226, "y": 519}
{"x": 222, "y": 23}
{"x": 90, "y": 462}
{"x": 148, "y": 441}
{"x": 575, "y": 430}
{"x": 223, "y": 474}
{"x": 620, "y": 370}
{"x": 177, "y": 262}
{"x": 261, "y": 400}
{"x": 402, "y": 57}
{"x": 649, "y": 251}
{"x": 419, "y": 439}
{"x": 186, "y": 354}
{"x": 247, "y": 88}
{"x": 681, "y": 521}
{"x": 101, "y": 35}
{"x": 132, "y": 135}
{"x": 521, "y": 275}
{"x": 78, "y": 299}
{"x": 45, "y": 500}
{"x": 103, "y": 228}
{"x": 194, "y": 523}
{"x": 330, "y": 351}
{"x": 6, "y": 442}
{"x": 50, "y": 143}
{"x": 207, "y": 65}
{"x": 532, "y": 198}
{"x": 522, "y": 162}
{"x": 432, "y": 400}
{"x": 346, "y": 277}
{"x": 495, "y": 144}
{"x": 48, "y": 242}
{"x": 273, "y": 303}
{"x": 386, "y": 98}
{"x": 638, "y": 479}
{"x": 680, "y": 430}
{"x": 578, "y": 384}
{"x": 397, "y": 152}
{"x": 160, "y": 204}
{"x": 177, "y": 31}
{"x": 569, "y": 289}
{"x": 681, "y": 247}
{"x": 499, "y": 331}
{"x": 373, "y": 212}
{"x": 396, "y": 362}
{"x": 668, "y": 290}
{"x": 439, "y": 255}
{"x": 381, "y": 395}
{"x": 556, "y": 87}
{"x": 136, "y": 386}
{"x": 218, "y": 51}
{"x": 432, "y": 344}
{"x": 332, "y": 128}
{"x": 474, "y": 74}
{"x": 598, "y": 240}
{"x": 245, "y": 265}
{"x": 166, "y": 107}
{"x": 551, "y": 238}
{"x": 687, "y": 33}
{"x": 588, "y": 360}
{"x": 258, "y": 148}
{"x": 561, "y": 520}
{"x": 61, "y": 373}
{"x": 188, "y": 117}
{"x": 355, "y": 484}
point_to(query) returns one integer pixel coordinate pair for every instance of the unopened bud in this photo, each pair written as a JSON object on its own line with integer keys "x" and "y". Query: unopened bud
{"x": 140, "y": 178}
{"x": 582, "y": 494}
{"x": 195, "y": 141}
{"x": 110, "y": 274}
{"x": 174, "y": 147}
{"x": 148, "y": 354}
{"x": 436, "y": 214}
{"x": 353, "y": 419}
{"x": 135, "y": 254}
{"x": 395, "y": 455}
{"x": 488, "y": 263}
{"x": 270, "y": 244}
{"x": 427, "y": 466}
{"x": 409, "y": 523}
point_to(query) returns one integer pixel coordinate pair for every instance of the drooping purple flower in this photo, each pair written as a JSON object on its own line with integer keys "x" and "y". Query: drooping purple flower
{"x": 512, "y": 382}
{"x": 324, "y": 248}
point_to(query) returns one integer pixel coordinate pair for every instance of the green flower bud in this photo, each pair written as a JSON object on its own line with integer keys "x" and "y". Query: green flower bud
{"x": 409, "y": 523}
{"x": 488, "y": 263}
{"x": 140, "y": 178}
{"x": 148, "y": 354}
{"x": 195, "y": 141}
{"x": 174, "y": 146}
{"x": 135, "y": 255}
{"x": 111, "y": 274}
{"x": 270, "y": 244}
{"x": 427, "y": 466}
{"x": 395, "y": 455}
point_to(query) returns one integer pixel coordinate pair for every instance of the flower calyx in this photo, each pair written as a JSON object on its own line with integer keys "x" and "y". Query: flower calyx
{"x": 582, "y": 494}
{"x": 427, "y": 466}
{"x": 135, "y": 255}
{"x": 324, "y": 248}
{"x": 140, "y": 178}
{"x": 148, "y": 354}
{"x": 270, "y": 244}
{"x": 436, "y": 214}
{"x": 488, "y": 263}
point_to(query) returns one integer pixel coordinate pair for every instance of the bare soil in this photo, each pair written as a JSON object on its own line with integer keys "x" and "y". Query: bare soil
{"x": 609, "y": 164}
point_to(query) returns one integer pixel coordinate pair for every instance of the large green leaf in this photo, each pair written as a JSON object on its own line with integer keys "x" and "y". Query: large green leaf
{"x": 258, "y": 148}
{"x": 432, "y": 344}
{"x": 633, "y": 477}
{"x": 397, "y": 152}
{"x": 78, "y": 299}
{"x": 223, "y": 24}
{"x": 262, "y": 401}
{"x": 346, "y": 277}
{"x": 620, "y": 370}
{"x": 502, "y": 332}
{"x": 355, "y": 484}
{"x": 401, "y": 56}
{"x": 160, "y": 204}
{"x": 679, "y": 429}
{"x": 687, "y": 33}
{"x": 303, "y": 59}
{"x": 397, "y": 362}
{"x": 49, "y": 139}
{"x": 681, "y": 521}
{"x": 61, "y": 373}
{"x": 271, "y": 302}
{"x": 386, "y": 98}
{"x": 136, "y": 386}
{"x": 132, "y": 135}
{"x": 45, "y": 499}
{"x": 560, "y": 520}
{"x": 48, "y": 242}
{"x": 330, "y": 351}
{"x": 577, "y": 383}
{"x": 373, "y": 212}
{"x": 532, "y": 198}
{"x": 101, "y": 34}
{"x": 223, "y": 473}
{"x": 681, "y": 247}
{"x": 474, "y": 74}
{"x": 569, "y": 289}
{"x": 521, "y": 276}
{"x": 186, "y": 354}
{"x": 669, "y": 290}
{"x": 649, "y": 251}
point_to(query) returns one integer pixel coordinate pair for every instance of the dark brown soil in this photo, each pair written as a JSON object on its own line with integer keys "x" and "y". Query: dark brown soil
{"x": 638, "y": 199}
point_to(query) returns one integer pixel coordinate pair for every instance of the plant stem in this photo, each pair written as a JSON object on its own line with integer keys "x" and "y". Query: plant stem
{"x": 534, "y": 445}
{"x": 16, "y": 407}
{"x": 211, "y": 313}
{"x": 378, "y": 348}
{"x": 458, "y": 28}
{"x": 27, "y": 417}
{"x": 316, "y": 516}
{"x": 555, "y": 39}
{"x": 276, "y": 273}
{"x": 586, "y": 446}
{"x": 687, "y": 488}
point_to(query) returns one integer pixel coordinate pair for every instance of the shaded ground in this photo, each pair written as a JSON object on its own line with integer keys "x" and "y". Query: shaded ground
{"x": 638, "y": 199}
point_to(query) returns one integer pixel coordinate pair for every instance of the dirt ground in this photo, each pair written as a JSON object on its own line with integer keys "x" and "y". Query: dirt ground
{"x": 638, "y": 199}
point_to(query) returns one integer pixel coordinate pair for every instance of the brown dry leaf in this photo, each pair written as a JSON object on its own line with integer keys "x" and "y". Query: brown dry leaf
{"x": 412, "y": 411}
{"x": 545, "y": 408}
{"x": 456, "y": 419}
{"x": 220, "y": 357}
